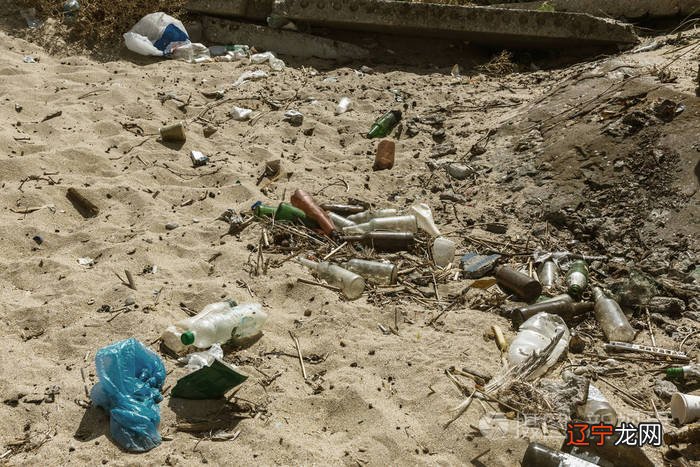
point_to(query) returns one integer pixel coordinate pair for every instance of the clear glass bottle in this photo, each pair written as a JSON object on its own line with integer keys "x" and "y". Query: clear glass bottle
{"x": 351, "y": 284}
{"x": 368, "y": 215}
{"x": 382, "y": 273}
{"x": 538, "y": 455}
{"x": 548, "y": 274}
{"x": 339, "y": 221}
{"x": 577, "y": 278}
{"x": 611, "y": 318}
{"x": 383, "y": 241}
{"x": 534, "y": 335}
{"x": 393, "y": 224}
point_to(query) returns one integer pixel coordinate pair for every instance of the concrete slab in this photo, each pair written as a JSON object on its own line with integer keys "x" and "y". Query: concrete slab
{"x": 281, "y": 41}
{"x": 251, "y": 9}
{"x": 631, "y": 9}
{"x": 513, "y": 28}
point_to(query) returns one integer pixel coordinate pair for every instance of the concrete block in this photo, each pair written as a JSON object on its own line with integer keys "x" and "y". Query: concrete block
{"x": 251, "y": 9}
{"x": 514, "y": 28}
{"x": 281, "y": 41}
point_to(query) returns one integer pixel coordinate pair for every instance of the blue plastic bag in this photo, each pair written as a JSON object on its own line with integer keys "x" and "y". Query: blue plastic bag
{"x": 131, "y": 377}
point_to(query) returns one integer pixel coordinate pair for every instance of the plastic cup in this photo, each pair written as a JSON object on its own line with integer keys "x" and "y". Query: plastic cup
{"x": 685, "y": 407}
{"x": 173, "y": 133}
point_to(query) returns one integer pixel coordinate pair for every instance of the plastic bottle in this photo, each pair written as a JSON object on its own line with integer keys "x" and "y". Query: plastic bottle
{"x": 564, "y": 307}
{"x": 217, "y": 323}
{"x": 538, "y": 455}
{"x": 597, "y": 409}
{"x": 339, "y": 221}
{"x": 611, "y": 318}
{"x": 382, "y": 273}
{"x": 351, "y": 284}
{"x": 70, "y": 10}
{"x": 686, "y": 372}
{"x": 521, "y": 284}
{"x": 424, "y": 218}
{"x": 548, "y": 274}
{"x": 384, "y": 241}
{"x": 29, "y": 15}
{"x": 394, "y": 224}
{"x": 306, "y": 203}
{"x": 534, "y": 335}
{"x": 368, "y": 215}
{"x": 344, "y": 105}
{"x": 384, "y": 124}
{"x": 443, "y": 251}
{"x": 577, "y": 278}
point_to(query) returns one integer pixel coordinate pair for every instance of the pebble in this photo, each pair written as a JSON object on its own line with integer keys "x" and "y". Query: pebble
{"x": 171, "y": 226}
{"x": 665, "y": 389}
{"x": 130, "y": 300}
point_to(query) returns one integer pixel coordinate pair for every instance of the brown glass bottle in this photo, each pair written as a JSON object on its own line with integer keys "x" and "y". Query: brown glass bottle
{"x": 520, "y": 284}
{"x": 384, "y": 241}
{"x": 306, "y": 203}
{"x": 567, "y": 309}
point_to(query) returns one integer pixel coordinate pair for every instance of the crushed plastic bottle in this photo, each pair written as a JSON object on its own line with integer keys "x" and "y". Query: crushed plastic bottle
{"x": 597, "y": 409}
{"x": 217, "y": 323}
{"x": 344, "y": 105}
{"x": 443, "y": 251}
{"x": 240, "y": 114}
{"x": 250, "y": 76}
{"x": 196, "y": 360}
{"x": 275, "y": 63}
{"x": 534, "y": 335}
{"x": 424, "y": 218}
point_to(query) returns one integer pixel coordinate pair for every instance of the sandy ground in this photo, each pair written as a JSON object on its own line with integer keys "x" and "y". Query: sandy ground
{"x": 375, "y": 398}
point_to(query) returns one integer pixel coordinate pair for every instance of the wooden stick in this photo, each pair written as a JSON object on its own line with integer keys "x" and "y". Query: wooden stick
{"x": 651, "y": 330}
{"x": 461, "y": 408}
{"x": 336, "y": 250}
{"x": 329, "y": 287}
{"x": 500, "y": 338}
{"x": 301, "y": 359}
{"x": 84, "y": 206}
{"x": 82, "y": 373}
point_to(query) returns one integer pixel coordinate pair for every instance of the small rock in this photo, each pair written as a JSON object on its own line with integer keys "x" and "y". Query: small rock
{"x": 367, "y": 70}
{"x": 171, "y": 226}
{"x": 496, "y": 228}
{"x": 460, "y": 171}
{"x": 130, "y": 300}
{"x": 665, "y": 389}
{"x": 38, "y": 239}
{"x": 444, "y": 149}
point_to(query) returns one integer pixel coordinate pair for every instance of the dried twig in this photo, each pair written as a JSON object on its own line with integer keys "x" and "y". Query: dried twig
{"x": 301, "y": 359}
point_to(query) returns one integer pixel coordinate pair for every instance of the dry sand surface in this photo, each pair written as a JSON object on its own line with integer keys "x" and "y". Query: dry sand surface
{"x": 372, "y": 398}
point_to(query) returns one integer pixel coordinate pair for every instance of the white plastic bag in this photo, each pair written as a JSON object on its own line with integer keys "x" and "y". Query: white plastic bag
{"x": 154, "y": 34}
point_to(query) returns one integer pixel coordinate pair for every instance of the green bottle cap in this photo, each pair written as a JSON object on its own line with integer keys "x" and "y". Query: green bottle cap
{"x": 674, "y": 372}
{"x": 187, "y": 338}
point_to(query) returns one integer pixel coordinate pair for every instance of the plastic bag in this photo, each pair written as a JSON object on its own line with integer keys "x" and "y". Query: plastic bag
{"x": 156, "y": 34}
{"x": 131, "y": 377}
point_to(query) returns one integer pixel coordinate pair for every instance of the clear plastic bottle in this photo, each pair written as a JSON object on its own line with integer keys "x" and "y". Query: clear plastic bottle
{"x": 611, "y": 318}
{"x": 597, "y": 409}
{"x": 443, "y": 251}
{"x": 351, "y": 284}
{"x": 393, "y": 224}
{"x": 534, "y": 335}
{"x": 424, "y": 217}
{"x": 366, "y": 216}
{"x": 339, "y": 221}
{"x": 538, "y": 455}
{"x": 217, "y": 323}
{"x": 382, "y": 273}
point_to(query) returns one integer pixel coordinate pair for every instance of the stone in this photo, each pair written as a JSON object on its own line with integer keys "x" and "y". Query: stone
{"x": 280, "y": 41}
{"x": 171, "y": 226}
{"x": 484, "y": 25}
{"x": 665, "y": 389}
{"x": 475, "y": 266}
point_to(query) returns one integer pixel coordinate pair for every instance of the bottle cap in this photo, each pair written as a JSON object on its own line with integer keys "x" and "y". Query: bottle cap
{"x": 676, "y": 372}
{"x": 187, "y": 338}
{"x": 255, "y": 206}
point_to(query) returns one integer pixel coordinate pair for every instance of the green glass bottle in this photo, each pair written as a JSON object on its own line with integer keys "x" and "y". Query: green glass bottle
{"x": 384, "y": 124}
{"x": 577, "y": 278}
{"x": 285, "y": 212}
